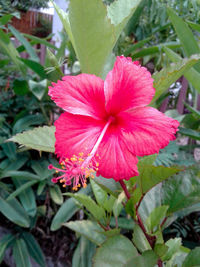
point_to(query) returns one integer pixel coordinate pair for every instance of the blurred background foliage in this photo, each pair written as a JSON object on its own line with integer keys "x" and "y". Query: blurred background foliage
{"x": 33, "y": 208}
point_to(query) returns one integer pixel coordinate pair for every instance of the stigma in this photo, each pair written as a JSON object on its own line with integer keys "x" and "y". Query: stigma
{"x": 76, "y": 170}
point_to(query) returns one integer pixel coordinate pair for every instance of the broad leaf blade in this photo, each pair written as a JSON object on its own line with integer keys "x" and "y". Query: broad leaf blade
{"x": 89, "y": 229}
{"x": 116, "y": 251}
{"x": 41, "y": 138}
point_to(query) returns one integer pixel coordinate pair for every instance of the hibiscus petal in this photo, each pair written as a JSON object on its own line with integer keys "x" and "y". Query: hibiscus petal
{"x": 76, "y": 134}
{"x": 127, "y": 86}
{"x": 82, "y": 94}
{"x": 146, "y": 130}
{"x": 116, "y": 161}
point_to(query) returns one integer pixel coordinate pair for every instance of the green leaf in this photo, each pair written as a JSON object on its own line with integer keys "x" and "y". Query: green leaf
{"x": 191, "y": 75}
{"x": 99, "y": 193}
{"x": 29, "y": 49}
{"x": 97, "y": 211}
{"x": 41, "y": 138}
{"x": 54, "y": 72}
{"x": 38, "y": 88}
{"x": 11, "y": 52}
{"x": 20, "y": 254}
{"x": 155, "y": 218}
{"x": 181, "y": 191}
{"x": 21, "y": 188}
{"x": 189, "y": 132}
{"x": 193, "y": 258}
{"x": 149, "y": 175}
{"x": 56, "y": 194}
{"x": 5, "y": 242}
{"x": 38, "y": 40}
{"x": 173, "y": 247}
{"x": 90, "y": 18}
{"x": 34, "y": 66}
{"x": 34, "y": 249}
{"x": 89, "y": 229}
{"x": 26, "y": 195}
{"x": 139, "y": 239}
{"x": 116, "y": 251}
{"x": 67, "y": 210}
{"x": 117, "y": 207}
{"x": 160, "y": 250}
{"x": 20, "y": 87}
{"x": 194, "y": 26}
{"x": 21, "y": 174}
{"x": 148, "y": 258}
{"x": 123, "y": 223}
{"x": 168, "y": 75}
{"x": 83, "y": 254}
{"x": 14, "y": 212}
{"x": 108, "y": 185}
{"x": 185, "y": 35}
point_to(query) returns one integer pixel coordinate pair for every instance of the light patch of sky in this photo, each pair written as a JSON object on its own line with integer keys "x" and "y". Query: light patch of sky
{"x": 49, "y": 10}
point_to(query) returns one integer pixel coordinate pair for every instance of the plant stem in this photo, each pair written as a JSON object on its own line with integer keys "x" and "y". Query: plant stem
{"x": 150, "y": 239}
{"x": 123, "y": 185}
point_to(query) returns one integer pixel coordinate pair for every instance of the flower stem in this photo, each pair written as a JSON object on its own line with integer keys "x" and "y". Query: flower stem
{"x": 123, "y": 185}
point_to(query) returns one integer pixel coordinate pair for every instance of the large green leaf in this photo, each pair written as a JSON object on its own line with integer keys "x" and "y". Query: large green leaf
{"x": 89, "y": 229}
{"x": 191, "y": 75}
{"x": 14, "y": 212}
{"x": 116, "y": 251}
{"x": 67, "y": 210}
{"x": 20, "y": 254}
{"x": 41, "y": 138}
{"x": 181, "y": 191}
{"x": 34, "y": 249}
{"x": 149, "y": 175}
{"x": 168, "y": 75}
{"x": 94, "y": 30}
{"x": 185, "y": 35}
{"x": 193, "y": 258}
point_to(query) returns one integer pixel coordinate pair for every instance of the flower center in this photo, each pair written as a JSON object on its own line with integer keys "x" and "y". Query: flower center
{"x": 79, "y": 168}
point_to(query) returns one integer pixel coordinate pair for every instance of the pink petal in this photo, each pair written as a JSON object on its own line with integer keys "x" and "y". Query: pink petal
{"x": 76, "y": 134}
{"x": 116, "y": 161}
{"x": 82, "y": 94}
{"x": 146, "y": 130}
{"x": 127, "y": 86}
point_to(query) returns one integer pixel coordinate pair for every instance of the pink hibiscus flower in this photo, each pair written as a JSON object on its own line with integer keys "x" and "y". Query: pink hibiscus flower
{"x": 106, "y": 124}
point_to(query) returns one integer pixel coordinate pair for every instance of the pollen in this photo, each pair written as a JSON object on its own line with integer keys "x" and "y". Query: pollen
{"x": 75, "y": 170}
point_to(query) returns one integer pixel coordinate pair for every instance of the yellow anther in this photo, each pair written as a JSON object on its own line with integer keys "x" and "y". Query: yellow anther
{"x": 79, "y": 185}
{"x": 97, "y": 164}
{"x": 57, "y": 171}
{"x": 80, "y": 159}
{"x": 62, "y": 163}
{"x": 84, "y": 185}
{"x": 81, "y": 154}
{"x": 64, "y": 185}
{"x": 73, "y": 159}
{"x": 66, "y": 159}
{"x": 92, "y": 176}
{"x": 89, "y": 154}
{"x": 62, "y": 167}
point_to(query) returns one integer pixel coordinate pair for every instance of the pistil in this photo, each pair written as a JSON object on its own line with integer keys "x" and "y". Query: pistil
{"x": 80, "y": 167}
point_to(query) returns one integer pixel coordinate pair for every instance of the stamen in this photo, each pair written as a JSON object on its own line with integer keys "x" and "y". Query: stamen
{"x": 78, "y": 168}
